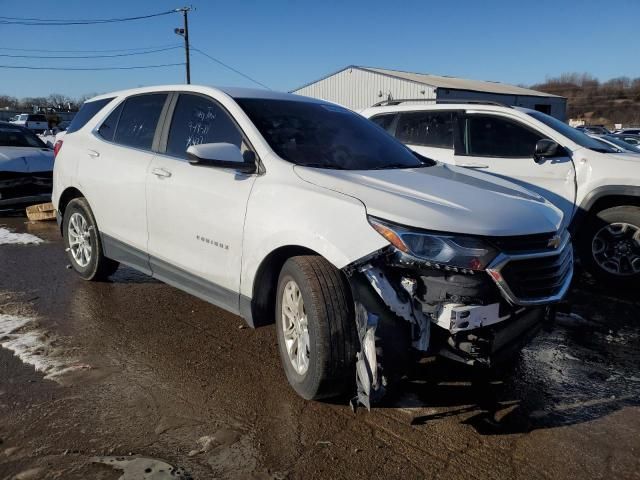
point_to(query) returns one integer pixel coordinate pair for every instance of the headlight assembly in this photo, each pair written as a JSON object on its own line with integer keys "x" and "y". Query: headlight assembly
{"x": 450, "y": 251}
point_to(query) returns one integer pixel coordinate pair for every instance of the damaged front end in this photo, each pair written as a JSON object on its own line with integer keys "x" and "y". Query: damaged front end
{"x": 18, "y": 188}
{"x": 472, "y": 300}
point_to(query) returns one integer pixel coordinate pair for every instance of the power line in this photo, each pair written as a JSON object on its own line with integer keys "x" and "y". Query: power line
{"x": 89, "y": 51}
{"x": 9, "y": 55}
{"x": 230, "y": 68}
{"x": 61, "y": 22}
{"x": 138, "y": 67}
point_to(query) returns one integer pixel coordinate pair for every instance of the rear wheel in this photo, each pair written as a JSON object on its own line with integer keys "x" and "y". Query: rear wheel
{"x": 315, "y": 327}
{"x": 83, "y": 244}
{"x": 610, "y": 244}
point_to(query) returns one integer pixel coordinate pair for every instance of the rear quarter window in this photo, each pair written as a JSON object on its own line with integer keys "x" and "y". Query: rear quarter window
{"x": 86, "y": 113}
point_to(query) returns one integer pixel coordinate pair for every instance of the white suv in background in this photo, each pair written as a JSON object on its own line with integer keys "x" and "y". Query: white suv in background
{"x": 282, "y": 208}
{"x": 597, "y": 188}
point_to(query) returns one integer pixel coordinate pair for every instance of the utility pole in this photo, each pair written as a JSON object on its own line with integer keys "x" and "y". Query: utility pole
{"x": 184, "y": 32}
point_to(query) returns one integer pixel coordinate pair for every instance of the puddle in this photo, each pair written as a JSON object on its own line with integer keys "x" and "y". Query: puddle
{"x": 8, "y": 237}
{"x": 230, "y": 453}
{"x": 34, "y": 346}
{"x": 142, "y": 468}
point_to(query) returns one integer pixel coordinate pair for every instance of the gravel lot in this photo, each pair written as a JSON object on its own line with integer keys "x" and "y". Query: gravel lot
{"x": 137, "y": 376}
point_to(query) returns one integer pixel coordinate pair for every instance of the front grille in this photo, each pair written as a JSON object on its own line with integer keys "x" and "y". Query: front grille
{"x": 534, "y": 277}
{"x": 524, "y": 243}
{"x": 540, "y": 277}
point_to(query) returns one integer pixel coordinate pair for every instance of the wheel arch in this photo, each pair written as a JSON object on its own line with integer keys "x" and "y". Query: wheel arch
{"x": 605, "y": 197}
{"x": 67, "y": 195}
{"x": 259, "y": 309}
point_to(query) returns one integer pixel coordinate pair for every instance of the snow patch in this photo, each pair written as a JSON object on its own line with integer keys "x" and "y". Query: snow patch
{"x": 35, "y": 346}
{"x": 8, "y": 237}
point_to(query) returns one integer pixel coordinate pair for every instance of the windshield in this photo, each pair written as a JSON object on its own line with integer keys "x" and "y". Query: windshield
{"x": 327, "y": 136}
{"x": 14, "y": 137}
{"x": 571, "y": 133}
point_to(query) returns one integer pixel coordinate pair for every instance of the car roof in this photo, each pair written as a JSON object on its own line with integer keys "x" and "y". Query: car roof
{"x": 233, "y": 92}
{"x": 413, "y": 107}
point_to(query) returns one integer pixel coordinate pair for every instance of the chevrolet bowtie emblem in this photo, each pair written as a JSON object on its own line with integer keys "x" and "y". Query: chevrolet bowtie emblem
{"x": 554, "y": 242}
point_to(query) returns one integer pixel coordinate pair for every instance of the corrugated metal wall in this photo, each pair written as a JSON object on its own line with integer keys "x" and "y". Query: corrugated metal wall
{"x": 358, "y": 89}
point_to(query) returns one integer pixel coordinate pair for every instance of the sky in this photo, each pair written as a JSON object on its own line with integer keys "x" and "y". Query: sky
{"x": 285, "y": 43}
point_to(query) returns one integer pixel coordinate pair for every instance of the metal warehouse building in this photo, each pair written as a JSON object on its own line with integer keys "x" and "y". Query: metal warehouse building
{"x": 361, "y": 87}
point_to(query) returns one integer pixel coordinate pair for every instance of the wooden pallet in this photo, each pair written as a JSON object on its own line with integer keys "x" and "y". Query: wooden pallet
{"x": 43, "y": 211}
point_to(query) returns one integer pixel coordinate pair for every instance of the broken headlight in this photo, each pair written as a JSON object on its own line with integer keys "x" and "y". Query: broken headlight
{"x": 439, "y": 249}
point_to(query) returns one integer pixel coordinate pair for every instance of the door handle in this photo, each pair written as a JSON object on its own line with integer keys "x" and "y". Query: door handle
{"x": 161, "y": 172}
{"x": 93, "y": 153}
{"x": 473, "y": 165}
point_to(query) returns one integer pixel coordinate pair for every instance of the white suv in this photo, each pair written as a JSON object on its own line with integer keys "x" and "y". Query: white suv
{"x": 596, "y": 187}
{"x": 283, "y": 208}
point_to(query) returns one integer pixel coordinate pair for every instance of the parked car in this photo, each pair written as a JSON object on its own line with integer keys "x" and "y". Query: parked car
{"x": 36, "y": 122}
{"x": 26, "y": 167}
{"x": 617, "y": 144}
{"x": 628, "y": 131}
{"x": 597, "y": 188}
{"x": 283, "y": 208}
{"x": 627, "y": 138}
{"x": 593, "y": 129}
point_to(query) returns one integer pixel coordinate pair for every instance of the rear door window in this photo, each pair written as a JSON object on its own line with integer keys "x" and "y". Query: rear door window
{"x": 108, "y": 128}
{"x": 197, "y": 119}
{"x": 488, "y": 136}
{"x": 385, "y": 121}
{"x": 429, "y": 129}
{"x": 86, "y": 113}
{"x": 139, "y": 119}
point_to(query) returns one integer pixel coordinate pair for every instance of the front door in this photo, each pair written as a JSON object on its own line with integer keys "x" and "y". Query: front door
{"x": 503, "y": 147}
{"x": 195, "y": 212}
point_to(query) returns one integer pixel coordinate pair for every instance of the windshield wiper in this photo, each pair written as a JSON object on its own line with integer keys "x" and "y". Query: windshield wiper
{"x": 602, "y": 150}
{"x": 322, "y": 165}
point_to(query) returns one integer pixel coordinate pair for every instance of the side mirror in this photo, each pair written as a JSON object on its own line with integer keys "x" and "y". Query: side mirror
{"x": 545, "y": 148}
{"x": 221, "y": 155}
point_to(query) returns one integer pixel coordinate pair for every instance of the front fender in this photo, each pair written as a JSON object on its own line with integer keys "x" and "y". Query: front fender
{"x": 300, "y": 214}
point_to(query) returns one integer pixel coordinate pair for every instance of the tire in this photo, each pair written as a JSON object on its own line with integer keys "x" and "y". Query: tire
{"x": 611, "y": 238}
{"x": 332, "y": 339}
{"x": 92, "y": 265}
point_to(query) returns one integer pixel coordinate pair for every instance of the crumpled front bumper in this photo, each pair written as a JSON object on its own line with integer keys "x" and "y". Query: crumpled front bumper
{"x": 24, "y": 188}
{"x": 404, "y": 306}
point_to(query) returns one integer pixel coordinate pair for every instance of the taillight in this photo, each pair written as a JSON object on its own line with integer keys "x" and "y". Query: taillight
{"x": 56, "y": 148}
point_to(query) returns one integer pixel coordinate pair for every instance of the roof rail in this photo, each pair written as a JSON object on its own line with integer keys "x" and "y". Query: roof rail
{"x": 398, "y": 101}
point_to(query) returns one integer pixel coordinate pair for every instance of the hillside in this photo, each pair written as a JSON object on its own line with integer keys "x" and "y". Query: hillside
{"x": 614, "y": 101}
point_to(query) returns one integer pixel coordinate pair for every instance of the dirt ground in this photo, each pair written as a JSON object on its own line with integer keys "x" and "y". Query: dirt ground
{"x": 144, "y": 381}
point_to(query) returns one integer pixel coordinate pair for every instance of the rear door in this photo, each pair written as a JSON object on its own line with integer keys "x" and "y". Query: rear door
{"x": 112, "y": 175}
{"x": 195, "y": 212}
{"x": 504, "y": 147}
{"x": 429, "y": 133}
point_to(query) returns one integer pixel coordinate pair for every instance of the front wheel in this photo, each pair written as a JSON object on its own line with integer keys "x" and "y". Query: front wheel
{"x": 610, "y": 245}
{"x": 316, "y": 328}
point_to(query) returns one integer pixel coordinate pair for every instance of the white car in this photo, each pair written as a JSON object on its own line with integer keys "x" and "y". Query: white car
{"x": 283, "y": 208}
{"x": 26, "y": 167}
{"x": 597, "y": 188}
{"x": 33, "y": 121}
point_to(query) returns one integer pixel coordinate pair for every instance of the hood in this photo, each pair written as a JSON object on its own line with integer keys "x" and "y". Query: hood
{"x": 25, "y": 159}
{"x": 443, "y": 198}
